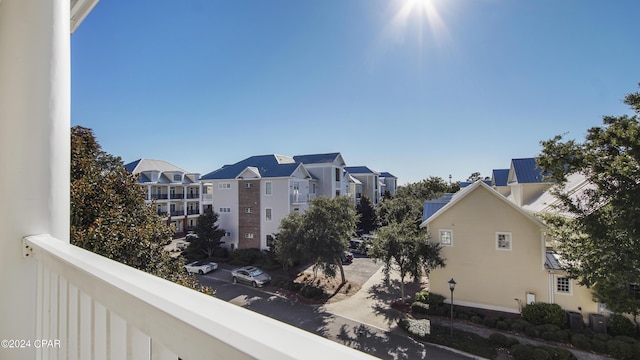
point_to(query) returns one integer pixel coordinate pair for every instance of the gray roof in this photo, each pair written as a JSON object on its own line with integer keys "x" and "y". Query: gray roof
{"x": 553, "y": 261}
{"x": 433, "y": 205}
{"x": 141, "y": 165}
{"x": 267, "y": 165}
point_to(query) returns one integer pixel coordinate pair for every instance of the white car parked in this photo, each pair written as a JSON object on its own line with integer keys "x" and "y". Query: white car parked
{"x": 200, "y": 267}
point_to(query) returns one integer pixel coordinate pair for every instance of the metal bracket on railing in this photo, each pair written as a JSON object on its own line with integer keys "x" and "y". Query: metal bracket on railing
{"x": 27, "y": 250}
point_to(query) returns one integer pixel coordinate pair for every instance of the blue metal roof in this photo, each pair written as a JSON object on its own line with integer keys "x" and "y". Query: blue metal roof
{"x": 316, "y": 158}
{"x": 500, "y": 177}
{"x": 267, "y": 165}
{"x": 433, "y": 205}
{"x": 386, "y": 175}
{"x": 527, "y": 171}
{"x": 358, "y": 170}
{"x": 132, "y": 165}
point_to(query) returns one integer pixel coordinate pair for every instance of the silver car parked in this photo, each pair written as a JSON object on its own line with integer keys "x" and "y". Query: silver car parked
{"x": 250, "y": 275}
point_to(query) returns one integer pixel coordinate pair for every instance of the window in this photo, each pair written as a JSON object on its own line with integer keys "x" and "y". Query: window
{"x": 227, "y": 233}
{"x": 267, "y": 188}
{"x": 313, "y": 188}
{"x": 503, "y": 241}
{"x": 270, "y": 240}
{"x": 337, "y": 174}
{"x": 224, "y": 186}
{"x": 563, "y": 285}
{"x": 248, "y": 210}
{"x": 296, "y": 186}
{"x": 248, "y": 235}
{"x": 177, "y": 177}
{"x": 446, "y": 237}
{"x": 267, "y": 214}
{"x": 248, "y": 185}
{"x": 225, "y": 210}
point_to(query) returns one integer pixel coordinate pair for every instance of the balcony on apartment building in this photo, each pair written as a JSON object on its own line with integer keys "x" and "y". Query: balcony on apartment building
{"x": 100, "y": 309}
{"x": 300, "y": 198}
{"x": 177, "y": 212}
{"x": 193, "y": 211}
{"x": 193, "y": 195}
{"x": 174, "y": 196}
{"x": 159, "y": 196}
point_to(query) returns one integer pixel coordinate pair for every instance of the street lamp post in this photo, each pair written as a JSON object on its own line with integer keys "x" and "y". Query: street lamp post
{"x": 452, "y": 286}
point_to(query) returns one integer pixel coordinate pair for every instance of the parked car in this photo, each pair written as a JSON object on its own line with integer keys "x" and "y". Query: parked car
{"x": 359, "y": 246}
{"x": 200, "y": 267}
{"x": 250, "y": 275}
{"x": 348, "y": 258}
{"x": 191, "y": 236}
{"x": 181, "y": 245}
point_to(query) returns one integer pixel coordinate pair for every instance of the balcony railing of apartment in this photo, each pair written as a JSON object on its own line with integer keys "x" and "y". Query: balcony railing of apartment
{"x": 193, "y": 196}
{"x": 193, "y": 211}
{"x": 207, "y": 197}
{"x": 177, "y": 196}
{"x": 159, "y": 196}
{"x": 162, "y": 213}
{"x": 177, "y": 213}
{"x": 100, "y": 309}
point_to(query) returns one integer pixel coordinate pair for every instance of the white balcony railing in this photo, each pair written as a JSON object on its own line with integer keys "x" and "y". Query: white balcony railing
{"x": 100, "y": 309}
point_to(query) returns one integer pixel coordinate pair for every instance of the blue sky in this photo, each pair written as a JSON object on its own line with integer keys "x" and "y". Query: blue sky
{"x": 415, "y": 88}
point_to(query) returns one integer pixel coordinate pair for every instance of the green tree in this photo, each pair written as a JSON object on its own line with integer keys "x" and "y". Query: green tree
{"x": 289, "y": 243}
{"x": 403, "y": 245}
{"x": 599, "y": 240}
{"x": 109, "y": 215}
{"x": 209, "y": 236}
{"x": 368, "y": 220}
{"x": 320, "y": 235}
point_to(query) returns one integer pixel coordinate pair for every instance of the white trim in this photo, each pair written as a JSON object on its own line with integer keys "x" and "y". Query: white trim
{"x": 440, "y": 231}
{"x": 555, "y": 285}
{"x": 498, "y": 233}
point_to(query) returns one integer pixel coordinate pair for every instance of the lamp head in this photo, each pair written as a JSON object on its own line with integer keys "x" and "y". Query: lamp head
{"x": 452, "y": 284}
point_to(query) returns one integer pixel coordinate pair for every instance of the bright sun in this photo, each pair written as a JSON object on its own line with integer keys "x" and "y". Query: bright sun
{"x": 424, "y": 11}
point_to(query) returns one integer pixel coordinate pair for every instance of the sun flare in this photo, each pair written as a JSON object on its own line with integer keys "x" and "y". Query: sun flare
{"x": 425, "y": 12}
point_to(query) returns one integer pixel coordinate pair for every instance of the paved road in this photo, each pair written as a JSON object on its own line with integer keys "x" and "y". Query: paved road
{"x": 379, "y": 341}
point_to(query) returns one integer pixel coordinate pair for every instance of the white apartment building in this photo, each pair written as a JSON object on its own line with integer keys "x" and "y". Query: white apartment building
{"x": 175, "y": 191}
{"x": 253, "y": 195}
{"x": 370, "y": 184}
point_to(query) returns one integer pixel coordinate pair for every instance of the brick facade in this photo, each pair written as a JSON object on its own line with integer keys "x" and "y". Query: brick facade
{"x": 249, "y": 214}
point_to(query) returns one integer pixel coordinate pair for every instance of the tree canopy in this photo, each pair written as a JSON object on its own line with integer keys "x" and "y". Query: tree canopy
{"x": 401, "y": 243}
{"x": 600, "y": 237}
{"x": 320, "y": 235}
{"x": 368, "y": 217}
{"x": 208, "y": 236}
{"x": 109, "y": 215}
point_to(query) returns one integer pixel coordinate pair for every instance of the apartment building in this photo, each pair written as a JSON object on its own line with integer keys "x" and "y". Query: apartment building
{"x": 175, "y": 191}
{"x": 370, "y": 184}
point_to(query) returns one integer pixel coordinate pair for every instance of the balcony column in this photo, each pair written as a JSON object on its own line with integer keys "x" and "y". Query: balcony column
{"x": 34, "y": 149}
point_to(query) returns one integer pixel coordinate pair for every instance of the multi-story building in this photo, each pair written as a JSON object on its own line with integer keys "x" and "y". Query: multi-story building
{"x": 390, "y": 183}
{"x": 253, "y": 195}
{"x": 369, "y": 183}
{"x": 176, "y": 192}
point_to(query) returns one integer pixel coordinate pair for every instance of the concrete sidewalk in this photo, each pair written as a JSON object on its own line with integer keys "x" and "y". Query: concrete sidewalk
{"x": 371, "y": 306}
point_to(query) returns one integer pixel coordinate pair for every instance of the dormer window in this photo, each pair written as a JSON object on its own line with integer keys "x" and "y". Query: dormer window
{"x": 177, "y": 177}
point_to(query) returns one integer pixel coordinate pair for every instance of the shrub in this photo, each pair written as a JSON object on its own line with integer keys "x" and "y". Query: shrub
{"x": 502, "y": 325}
{"x": 434, "y": 300}
{"x": 620, "y": 325}
{"x": 519, "y": 325}
{"x": 629, "y": 340}
{"x": 619, "y": 349}
{"x": 420, "y": 307}
{"x": 312, "y": 292}
{"x": 543, "y": 313}
{"x": 541, "y": 354}
{"x": 558, "y": 353}
{"x": 581, "y": 342}
{"x": 498, "y": 339}
{"x": 599, "y": 346}
{"x": 489, "y": 322}
{"x": 417, "y": 328}
{"x": 531, "y": 331}
{"x": 247, "y": 257}
{"x": 476, "y": 319}
{"x": 522, "y": 352}
{"x": 561, "y": 336}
